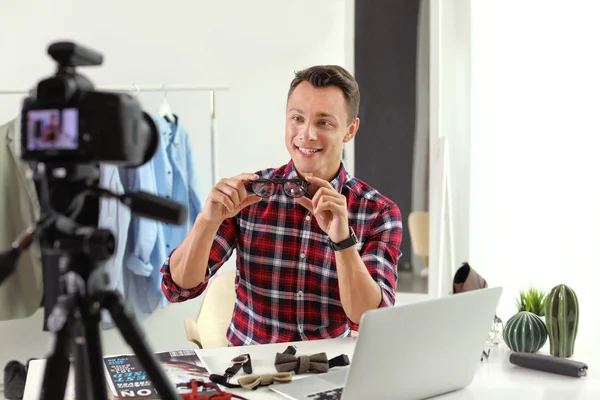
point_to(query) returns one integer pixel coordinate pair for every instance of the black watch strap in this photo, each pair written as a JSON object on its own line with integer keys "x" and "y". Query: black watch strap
{"x": 344, "y": 244}
{"x": 231, "y": 371}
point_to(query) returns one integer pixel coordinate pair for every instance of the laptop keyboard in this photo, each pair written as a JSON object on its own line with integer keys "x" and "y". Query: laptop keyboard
{"x": 334, "y": 394}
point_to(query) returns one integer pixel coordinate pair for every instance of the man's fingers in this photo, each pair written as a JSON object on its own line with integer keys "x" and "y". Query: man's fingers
{"x": 329, "y": 203}
{"x": 324, "y": 192}
{"x": 249, "y": 200}
{"x": 238, "y": 186}
{"x": 222, "y": 198}
{"x": 332, "y": 206}
{"x": 230, "y": 191}
{"x": 305, "y": 202}
{"x": 319, "y": 182}
{"x": 246, "y": 176}
{"x": 325, "y": 198}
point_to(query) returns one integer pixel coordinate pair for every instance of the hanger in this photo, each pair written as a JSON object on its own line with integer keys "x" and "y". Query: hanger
{"x": 165, "y": 108}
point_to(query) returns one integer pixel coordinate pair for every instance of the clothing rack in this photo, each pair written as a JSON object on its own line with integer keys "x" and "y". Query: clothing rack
{"x": 211, "y": 89}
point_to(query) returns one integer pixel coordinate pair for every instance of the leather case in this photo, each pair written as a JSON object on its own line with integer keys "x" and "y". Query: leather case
{"x": 547, "y": 363}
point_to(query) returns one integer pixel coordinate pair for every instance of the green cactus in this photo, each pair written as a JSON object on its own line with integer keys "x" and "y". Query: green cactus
{"x": 525, "y": 332}
{"x": 562, "y": 320}
{"x": 532, "y": 300}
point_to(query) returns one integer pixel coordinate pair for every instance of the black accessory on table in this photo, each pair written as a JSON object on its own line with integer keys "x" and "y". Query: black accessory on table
{"x": 344, "y": 244}
{"x": 547, "y": 363}
{"x": 317, "y": 363}
{"x": 243, "y": 361}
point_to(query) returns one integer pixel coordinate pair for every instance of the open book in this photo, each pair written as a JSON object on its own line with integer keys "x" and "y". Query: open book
{"x": 126, "y": 378}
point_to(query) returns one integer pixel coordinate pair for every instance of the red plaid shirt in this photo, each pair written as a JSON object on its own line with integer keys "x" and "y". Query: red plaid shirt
{"x": 287, "y": 286}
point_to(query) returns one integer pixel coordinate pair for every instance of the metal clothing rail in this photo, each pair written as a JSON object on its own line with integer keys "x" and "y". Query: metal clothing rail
{"x": 165, "y": 89}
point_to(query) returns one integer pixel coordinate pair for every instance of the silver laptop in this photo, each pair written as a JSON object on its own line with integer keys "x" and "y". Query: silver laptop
{"x": 409, "y": 352}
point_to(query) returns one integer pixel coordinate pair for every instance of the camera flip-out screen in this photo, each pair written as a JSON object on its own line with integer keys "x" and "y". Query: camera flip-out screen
{"x": 52, "y": 129}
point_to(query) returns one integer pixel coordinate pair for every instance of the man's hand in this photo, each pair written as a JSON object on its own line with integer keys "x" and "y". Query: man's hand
{"x": 329, "y": 208}
{"x": 228, "y": 198}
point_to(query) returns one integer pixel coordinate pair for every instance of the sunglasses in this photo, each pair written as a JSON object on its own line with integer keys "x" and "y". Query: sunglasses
{"x": 291, "y": 187}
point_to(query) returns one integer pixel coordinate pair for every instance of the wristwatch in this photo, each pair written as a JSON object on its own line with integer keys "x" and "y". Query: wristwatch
{"x": 344, "y": 244}
{"x": 237, "y": 363}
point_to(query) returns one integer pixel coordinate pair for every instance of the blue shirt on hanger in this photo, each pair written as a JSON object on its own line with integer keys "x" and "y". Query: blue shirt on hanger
{"x": 170, "y": 174}
{"x": 176, "y": 180}
{"x": 145, "y": 248}
{"x": 176, "y": 177}
{"x": 115, "y": 216}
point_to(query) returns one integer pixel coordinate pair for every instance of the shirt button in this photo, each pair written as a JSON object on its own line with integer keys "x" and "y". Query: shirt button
{"x": 301, "y": 328}
{"x": 302, "y": 255}
{"x": 300, "y": 293}
{"x": 308, "y": 217}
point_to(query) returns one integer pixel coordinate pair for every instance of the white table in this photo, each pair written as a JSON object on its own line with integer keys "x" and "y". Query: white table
{"x": 495, "y": 379}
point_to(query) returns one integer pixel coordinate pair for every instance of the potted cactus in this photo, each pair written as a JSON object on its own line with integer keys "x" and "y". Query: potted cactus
{"x": 562, "y": 320}
{"x": 526, "y": 331}
{"x": 532, "y": 300}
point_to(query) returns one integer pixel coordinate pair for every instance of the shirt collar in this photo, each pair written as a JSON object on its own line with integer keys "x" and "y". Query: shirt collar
{"x": 167, "y": 130}
{"x": 338, "y": 182}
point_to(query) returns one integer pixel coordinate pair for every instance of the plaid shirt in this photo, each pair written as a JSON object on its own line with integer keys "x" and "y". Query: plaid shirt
{"x": 287, "y": 286}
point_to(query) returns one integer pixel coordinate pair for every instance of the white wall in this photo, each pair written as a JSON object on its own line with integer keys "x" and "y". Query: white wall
{"x": 251, "y": 46}
{"x": 534, "y": 181}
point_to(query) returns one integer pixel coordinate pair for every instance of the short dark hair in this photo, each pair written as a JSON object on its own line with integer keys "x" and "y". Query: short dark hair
{"x": 322, "y": 76}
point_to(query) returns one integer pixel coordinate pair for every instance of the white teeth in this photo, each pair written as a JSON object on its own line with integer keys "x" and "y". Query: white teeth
{"x": 308, "y": 151}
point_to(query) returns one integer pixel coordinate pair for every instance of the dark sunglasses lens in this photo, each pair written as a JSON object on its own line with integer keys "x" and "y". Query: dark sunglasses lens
{"x": 294, "y": 189}
{"x": 263, "y": 189}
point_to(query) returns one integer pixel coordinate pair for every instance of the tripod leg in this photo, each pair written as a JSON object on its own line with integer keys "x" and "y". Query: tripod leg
{"x": 56, "y": 372}
{"x": 82, "y": 371}
{"x": 133, "y": 335}
{"x": 95, "y": 362}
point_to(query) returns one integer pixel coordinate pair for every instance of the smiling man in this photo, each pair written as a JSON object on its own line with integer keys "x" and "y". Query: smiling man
{"x": 316, "y": 247}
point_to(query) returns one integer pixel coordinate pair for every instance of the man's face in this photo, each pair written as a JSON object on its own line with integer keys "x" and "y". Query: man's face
{"x": 317, "y": 127}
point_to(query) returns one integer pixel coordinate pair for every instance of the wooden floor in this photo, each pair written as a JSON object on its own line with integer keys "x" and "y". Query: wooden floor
{"x": 409, "y": 282}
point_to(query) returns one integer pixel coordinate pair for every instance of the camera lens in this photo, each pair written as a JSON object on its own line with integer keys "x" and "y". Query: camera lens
{"x": 149, "y": 137}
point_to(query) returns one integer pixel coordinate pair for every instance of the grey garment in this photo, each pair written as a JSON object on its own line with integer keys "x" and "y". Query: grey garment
{"x": 21, "y": 294}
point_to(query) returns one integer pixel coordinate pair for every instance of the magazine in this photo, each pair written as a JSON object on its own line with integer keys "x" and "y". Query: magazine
{"x": 126, "y": 377}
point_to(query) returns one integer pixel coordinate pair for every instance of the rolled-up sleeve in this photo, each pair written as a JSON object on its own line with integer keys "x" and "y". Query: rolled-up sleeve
{"x": 225, "y": 242}
{"x": 381, "y": 253}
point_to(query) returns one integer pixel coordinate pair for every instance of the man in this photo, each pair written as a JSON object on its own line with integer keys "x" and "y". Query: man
{"x": 310, "y": 266}
{"x": 52, "y": 131}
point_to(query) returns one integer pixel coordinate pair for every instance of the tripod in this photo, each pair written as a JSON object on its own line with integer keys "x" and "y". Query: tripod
{"x": 75, "y": 321}
{"x": 75, "y": 318}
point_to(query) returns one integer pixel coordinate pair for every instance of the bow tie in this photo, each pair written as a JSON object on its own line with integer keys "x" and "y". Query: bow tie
{"x": 254, "y": 381}
{"x": 318, "y": 363}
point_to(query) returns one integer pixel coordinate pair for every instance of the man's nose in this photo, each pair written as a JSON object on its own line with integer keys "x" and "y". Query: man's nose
{"x": 308, "y": 132}
{"x": 312, "y": 133}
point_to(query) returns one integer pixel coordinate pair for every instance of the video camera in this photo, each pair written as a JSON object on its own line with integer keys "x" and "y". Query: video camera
{"x": 68, "y": 130}
{"x": 67, "y": 121}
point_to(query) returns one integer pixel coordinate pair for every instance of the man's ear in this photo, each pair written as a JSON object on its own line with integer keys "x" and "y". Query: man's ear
{"x": 352, "y": 130}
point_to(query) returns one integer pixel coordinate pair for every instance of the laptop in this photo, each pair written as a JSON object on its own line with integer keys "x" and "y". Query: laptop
{"x": 408, "y": 352}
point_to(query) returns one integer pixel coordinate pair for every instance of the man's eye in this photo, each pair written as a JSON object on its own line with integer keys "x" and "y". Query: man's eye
{"x": 326, "y": 123}
{"x": 297, "y": 118}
